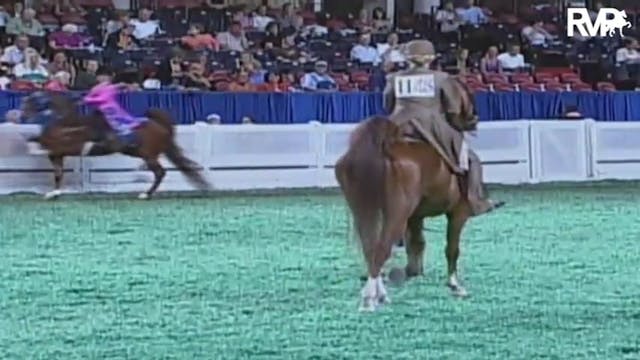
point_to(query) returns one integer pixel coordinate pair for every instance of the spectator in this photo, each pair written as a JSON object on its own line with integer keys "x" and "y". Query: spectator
{"x": 66, "y": 7}
{"x": 145, "y": 28}
{"x": 379, "y": 20}
{"x": 26, "y": 24}
{"x": 104, "y": 75}
{"x": 261, "y": 19}
{"x": 4, "y": 18}
{"x": 628, "y": 61}
{"x": 171, "y": 71}
{"x": 363, "y": 23}
{"x": 241, "y": 83}
{"x": 363, "y": 52}
{"x": 490, "y": 63}
{"x": 67, "y": 38}
{"x": 288, "y": 17}
{"x": 151, "y": 80}
{"x": 233, "y": 39}
{"x": 391, "y": 52}
{"x": 197, "y": 40}
{"x": 120, "y": 21}
{"x": 14, "y": 54}
{"x": 273, "y": 37}
{"x": 31, "y": 68}
{"x": 471, "y": 14}
{"x": 449, "y": 21}
{"x": 535, "y": 34}
{"x": 123, "y": 39}
{"x": 195, "y": 78}
{"x": 88, "y": 78}
{"x": 59, "y": 63}
{"x": 319, "y": 79}
{"x": 512, "y": 60}
{"x": 462, "y": 61}
{"x": 241, "y": 18}
{"x": 59, "y": 82}
{"x": 273, "y": 83}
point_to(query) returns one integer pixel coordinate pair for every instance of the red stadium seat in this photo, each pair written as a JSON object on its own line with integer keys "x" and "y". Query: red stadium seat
{"x": 503, "y": 87}
{"x": 570, "y": 77}
{"x": 530, "y": 87}
{"x": 496, "y": 78}
{"x": 555, "y": 87}
{"x": 521, "y": 79}
{"x": 605, "y": 86}
{"x": 580, "y": 86}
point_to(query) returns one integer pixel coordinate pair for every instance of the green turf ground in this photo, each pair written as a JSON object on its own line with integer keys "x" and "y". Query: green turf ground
{"x": 553, "y": 275}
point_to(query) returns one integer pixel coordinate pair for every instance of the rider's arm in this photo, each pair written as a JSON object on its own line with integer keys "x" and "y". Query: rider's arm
{"x": 451, "y": 102}
{"x": 389, "y": 95}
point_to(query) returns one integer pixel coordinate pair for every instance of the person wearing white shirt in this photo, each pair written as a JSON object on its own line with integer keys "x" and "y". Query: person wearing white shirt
{"x": 364, "y": 52}
{"x": 261, "y": 19}
{"x": 31, "y": 68}
{"x": 390, "y": 52}
{"x": 512, "y": 60}
{"x": 628, "y": 54}
{"x": 145, "y": 27}
{"x": 14, "y": 54}
{"x": 536, "y": 34}
{"x": 319, "y": 79}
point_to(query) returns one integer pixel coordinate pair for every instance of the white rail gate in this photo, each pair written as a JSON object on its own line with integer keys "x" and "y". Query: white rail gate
{"x": 240, "y": 157}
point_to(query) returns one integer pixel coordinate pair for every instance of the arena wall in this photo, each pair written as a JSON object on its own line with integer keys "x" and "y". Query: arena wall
{"x": 244, "y": 157}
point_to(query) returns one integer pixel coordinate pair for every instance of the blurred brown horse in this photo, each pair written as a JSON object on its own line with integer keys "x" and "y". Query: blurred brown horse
{"x": 391, "y": 184}
{"x": 66, "y": 132}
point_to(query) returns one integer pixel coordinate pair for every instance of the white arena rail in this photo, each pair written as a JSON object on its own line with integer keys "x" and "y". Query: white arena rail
{"x": 241, "y": 157}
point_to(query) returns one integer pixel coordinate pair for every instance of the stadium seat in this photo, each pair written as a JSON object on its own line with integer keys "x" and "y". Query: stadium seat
{"x": 521, "y": 79}
{"x": 555, "y": 87}
{"x": 529, "y": 86}
{"x": 605, "y": 86}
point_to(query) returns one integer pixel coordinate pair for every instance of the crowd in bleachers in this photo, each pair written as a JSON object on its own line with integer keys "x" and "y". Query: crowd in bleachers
{"x": 187, "y": 45}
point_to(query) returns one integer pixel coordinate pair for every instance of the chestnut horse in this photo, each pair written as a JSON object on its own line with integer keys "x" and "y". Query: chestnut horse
{"x": 391, "y": 184}
{"x": 66, "y": 132}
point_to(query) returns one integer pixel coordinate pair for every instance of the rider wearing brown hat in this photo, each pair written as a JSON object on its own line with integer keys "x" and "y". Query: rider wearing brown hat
{"x": 422, "y": 102}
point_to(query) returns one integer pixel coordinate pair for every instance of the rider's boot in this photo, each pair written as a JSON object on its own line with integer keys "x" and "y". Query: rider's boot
{"x": 477, "y": 195}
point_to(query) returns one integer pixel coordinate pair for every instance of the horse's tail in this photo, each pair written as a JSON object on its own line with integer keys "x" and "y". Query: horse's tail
{"x": 187, "y": 167}
{"x": 362, "y": 176}
{"x": 161, "y": 117}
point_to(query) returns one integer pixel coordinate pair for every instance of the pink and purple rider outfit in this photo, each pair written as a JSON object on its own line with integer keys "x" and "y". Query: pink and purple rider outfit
{"x": 103, "y": 97}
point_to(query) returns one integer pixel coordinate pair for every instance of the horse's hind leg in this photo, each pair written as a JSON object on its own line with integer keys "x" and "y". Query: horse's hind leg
{"x": 455, "y": 222}
{"x": 395, "y": 216}
{"x": 159, "y": 172}
{"x": 415, "y": 247}
{"x": 58, "y": 176}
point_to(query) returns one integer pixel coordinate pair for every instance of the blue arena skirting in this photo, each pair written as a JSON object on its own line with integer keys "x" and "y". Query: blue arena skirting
{"x": 187, "y": 107}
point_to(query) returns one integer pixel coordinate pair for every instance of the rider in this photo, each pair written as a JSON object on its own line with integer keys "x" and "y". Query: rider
{"x": 103, "y": 98}
{"x": 423, "y": 102}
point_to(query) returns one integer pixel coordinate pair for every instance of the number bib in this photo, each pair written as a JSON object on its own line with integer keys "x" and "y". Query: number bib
{"x": 415, "y": 86}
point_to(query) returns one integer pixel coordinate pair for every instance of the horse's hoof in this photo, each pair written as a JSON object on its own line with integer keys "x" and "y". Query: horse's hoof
{"x": 143, "y": 196}
{"x": 367, "y": 306}
{"x": 52, "y": 194}
{"x": 458, "y": 291}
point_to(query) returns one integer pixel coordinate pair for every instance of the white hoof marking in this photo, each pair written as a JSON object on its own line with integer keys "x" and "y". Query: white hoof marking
{"x": 86, "y": 148}
{"x": 52, "y": 194}
{"x": 143, "y": 196}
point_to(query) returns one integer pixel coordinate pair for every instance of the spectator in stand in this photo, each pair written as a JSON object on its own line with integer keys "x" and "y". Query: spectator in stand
{"x": 171, "y": 70}
{"x": 14, "y": 54}
{"x": 123, "y": 39}
{"x": 104, "y": 75}
{"x": 391, "y": 50}
{"x": 462, "y": 62}
{"x": 120, "y": 20}
{"x": 67, "y": 38}
{"x": 27, "y": 24}
{"x": 241, "y": 17}
{"x": 449, "y": 21}
{"x": 4, "y": 18}
{"x": 145, "y": 28}
{"x": 288, "y": 17}
{"x": 273, "y": 37}
{"x": 5, "y": 80}
{"x": 628, "y": 62}
{"x": 261, "y": 18}
{"x": 363, "y": 52}
{"x": 60, "y": 63}
{"x": 241, "y": 83}
{"x": 195, "y": 78}
{"x": 233, "y": 39}
{"x": 319, "y": 79}
{"x": 512, "y": 60}
{"x": 197, "y": 40}
{"x": 379, "y": 20}
{"x": 536, "y": 35}
{"x": 273, "y": 83}
{"x": 88, "y": 78}
{"x": 363, "y": 23}
{"x": 31, "y": 68}
{"x": 59, "y": 82}
{"x": 489, "y": 64}
{"x": 471, "y": 14}
{"x": 66, "y": 7}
